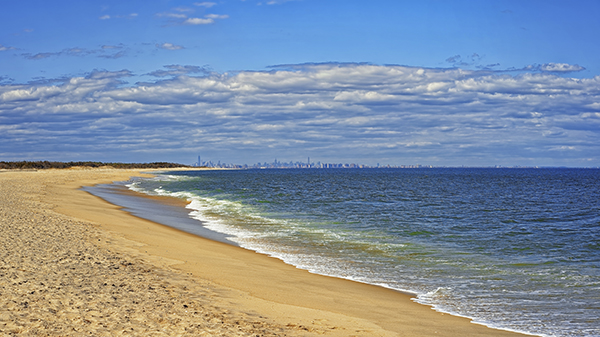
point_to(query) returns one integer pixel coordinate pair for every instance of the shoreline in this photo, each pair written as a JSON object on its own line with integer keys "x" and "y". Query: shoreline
{"x": 168, "y": 211}
{"x": 296, "y": 301}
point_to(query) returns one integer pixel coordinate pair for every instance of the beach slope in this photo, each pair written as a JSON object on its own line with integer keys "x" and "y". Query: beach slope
{"x": 73, "y": 264}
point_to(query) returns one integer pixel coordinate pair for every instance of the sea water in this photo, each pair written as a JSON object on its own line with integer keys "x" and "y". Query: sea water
{"x": 515, "y": 249}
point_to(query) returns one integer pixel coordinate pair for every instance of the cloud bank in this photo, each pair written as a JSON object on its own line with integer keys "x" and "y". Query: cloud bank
{"x": 331, "y": 112}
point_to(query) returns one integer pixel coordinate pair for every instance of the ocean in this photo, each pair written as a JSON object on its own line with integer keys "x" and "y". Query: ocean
{"x": 515, "y": 249}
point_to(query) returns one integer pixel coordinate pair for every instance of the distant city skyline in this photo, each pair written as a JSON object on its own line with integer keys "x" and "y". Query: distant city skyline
{"x": 325, "y": 165}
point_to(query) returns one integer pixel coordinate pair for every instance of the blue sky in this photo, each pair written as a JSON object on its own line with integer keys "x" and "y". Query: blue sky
{"x": 396, "y": 82}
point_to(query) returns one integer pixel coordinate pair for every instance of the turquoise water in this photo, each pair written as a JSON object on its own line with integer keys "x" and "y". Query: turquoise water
{"x": 516, "y": 249}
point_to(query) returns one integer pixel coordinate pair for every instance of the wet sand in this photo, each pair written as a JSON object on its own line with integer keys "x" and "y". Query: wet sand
{"x": 72, "y": 264}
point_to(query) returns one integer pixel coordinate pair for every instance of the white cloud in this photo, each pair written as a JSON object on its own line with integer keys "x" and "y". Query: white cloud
{"x": 205, "y": 4}
{"x": 216, "y": 16}
{"x": 276, "y": 2}
{"x": 387, "y": 113}
{"x": 5, "y": 48}
{"x": 553, "y": 68}
{"x": 183, "y": 9}
{"x": 107, "y": 17}
{"x": 172, "y": 15}
{"x": 183, "y": 19}
{"x": 112, "y": 47}
{"x": 198, "y": 21}
{"x": 38, "y": 56}
{"x": 178, "y": 70}
{"x": 80, "y": 52}
{"x": 169, "y": 46}
{"x": 561, "y": 67}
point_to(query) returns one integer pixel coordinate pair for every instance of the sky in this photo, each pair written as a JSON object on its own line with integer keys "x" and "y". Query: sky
{"x": 432, "y": 82}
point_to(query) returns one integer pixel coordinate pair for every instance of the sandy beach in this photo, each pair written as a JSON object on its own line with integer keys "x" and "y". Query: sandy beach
{"x": 72, "y": 264}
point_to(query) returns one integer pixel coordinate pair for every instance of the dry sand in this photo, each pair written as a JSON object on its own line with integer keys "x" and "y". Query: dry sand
{"x": 72, "y": 264}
